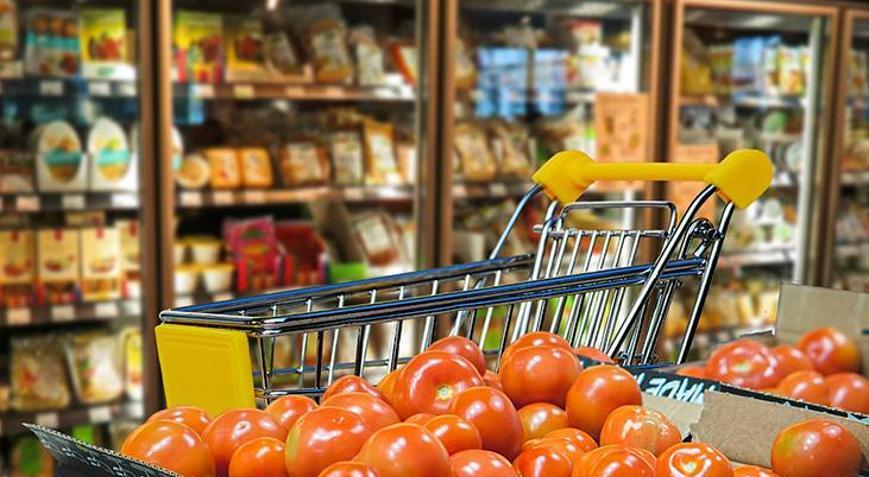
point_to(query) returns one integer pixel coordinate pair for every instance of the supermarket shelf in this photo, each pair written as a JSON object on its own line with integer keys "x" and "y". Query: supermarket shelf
{"x": 742, "y": 100}
{"x": 855, "y": 178}
{"x": 296, "y": 92}
{"x": 756, "y": 257}
{"x": 71, "y": 314}
{"x": 228, "y": 198}
{"x": 11, "y": 422}
{"x": 852, "y": 249}
{"x": 65, "y": 87}
{"x": 492, "y": 190}
{"x": 33, "y": 203}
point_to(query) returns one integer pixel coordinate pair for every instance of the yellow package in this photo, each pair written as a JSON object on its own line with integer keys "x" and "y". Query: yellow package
{"x": 303, "y": 163}
{"x": 101, "y": 264}
{"x": 381, "y": 164}
{"x": 59, "y": 269}
{"x": 256, "y": 167}
{"x": 225, "y": 171}
{"x": 478, "y": 164}
{"x": 17, "y": 264}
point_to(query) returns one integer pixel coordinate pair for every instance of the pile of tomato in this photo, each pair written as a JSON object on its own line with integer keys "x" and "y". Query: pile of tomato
{"x": 444, "y": 414}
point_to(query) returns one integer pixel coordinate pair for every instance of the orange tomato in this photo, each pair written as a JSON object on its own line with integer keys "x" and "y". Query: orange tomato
{"x": 744, "y": 363}
{"x": 480, "y": 463}
{"x": 493, "y": 380}
{"x": 492, "y": 413}
{"x": 172, "y": 446}
{"x": 816, "y": 447}
{"x": 692, "y": 371}
{"x": 562, "y": 444}
{"x": 261, "y": 457}
{"x": 349, "y": 469}
{"x": 288, "y": 409}
{"x": 375, "y": 412}
{"x": 428, "y": 382}
{"x": 322, "y": 437}
{"x": 788, "y": 360}
{"x": 637, "y": 426}
{"x": 542, "y": 374}
{"x": 579, "y": 438}
{"x": 807, "y": 386}
{"x": 830, "y": 351}
{"x": 191, "y": 416}
{"x": 693, "y": 459}
{"x": 387, "y": 384}
{"x": 542, "y": 462}
{"x": 615, "y": 461}
{"x": 463, "y": 347}
{"x": 753, "y": 471}
{"x": 228, "y": 431}
{"x": 541, "y": 418}
{"x": 351, "y": 384}
{"x": 593, "y": 353}
{"x": 534, "y": 340}
{"x": 405, "y": 450}
{"x": 420, "y": 418}
{"x": 455, "y": 433}
{"x": 849, "y": 391}
{"x": 598, "y": 391}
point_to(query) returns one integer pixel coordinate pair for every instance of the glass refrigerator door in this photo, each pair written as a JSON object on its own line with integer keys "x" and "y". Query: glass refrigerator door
{"x": 527, "y": 81}
{"x": 851, "y": 246}
{"x": 72, "y": 158}
{"x": 296, "y": 143}
{"x": 755, "y": 75}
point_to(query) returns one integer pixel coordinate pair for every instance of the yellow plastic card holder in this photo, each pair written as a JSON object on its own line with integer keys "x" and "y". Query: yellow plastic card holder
{"x": 205, "y": 367}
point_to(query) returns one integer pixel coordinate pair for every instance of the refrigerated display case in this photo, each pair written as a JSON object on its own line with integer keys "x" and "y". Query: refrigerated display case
{"x": 848, "y": 244}
{"x": 756, "y": 74}
{"x": 76, "y": 167}
{"x": 524, "y": 80}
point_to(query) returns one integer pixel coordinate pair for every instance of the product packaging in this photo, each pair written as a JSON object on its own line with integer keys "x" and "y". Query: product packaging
{"x": 326, "y": 37}
{"x": 29, "y": 459}
{"x": 253, "y": 249}
{"x": 16, "y": 172}
{"x": 113, "y": 165}
{"x": 347, "y": 157}
{"x": 38, "y": 374}
{"x": 303, "y": 162}
{"x": 51, "y": 43}
{"x": 131, "y": 264}
{"x": 256, "y": 167}
{"x": 104, "y": 50}
{"x": 245, "y": 51}
{"x": 199, "y": 54}
{"x": 381, "y": 164}
{"x": 369, "y": 57}
{"x": 101, "y": 264}
{"x": 61, "y": 165}
{"x": 471, "y": 144}
{"x": 194, "y": 172}
{"x": 225, "y": 171}
{"x": 96, "y": 364}
{"x": 59, "y": 267}
{"x": 17, "y": 267}
{"x": 8, "y": 30}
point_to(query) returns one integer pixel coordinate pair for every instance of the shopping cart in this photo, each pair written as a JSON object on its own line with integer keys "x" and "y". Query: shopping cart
{"x": 593, "y": 287}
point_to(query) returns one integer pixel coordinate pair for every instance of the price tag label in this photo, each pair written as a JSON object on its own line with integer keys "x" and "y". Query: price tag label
{"x": 182, "y": 301}
{"x": 72, "y": 201}
{"x": 498, "y": 189}
{"x": 127, "y": 89}
{"x": 190, "y": 199}
{"x": 27, "y": 203}
{"x": 99, "y": 414}
{"x": 51, "y": 88}
{"x": 243, "y": 91}
{"x": 18, "y": 316}
{"x": 100, "y": 88}
{"x": 107, "y": 309}
{"x": 222, "y": 296}
{"x": 61, "y": 313}
{"x": 203, "y": 90}
{"x": 48, "y": 419}
{"x": 132, "y": 307}
{"x": 333, "y": 92}
{"x": 254, "y": 196}
{"x": 222, "y": 197}
{"x": 125, "y": 201}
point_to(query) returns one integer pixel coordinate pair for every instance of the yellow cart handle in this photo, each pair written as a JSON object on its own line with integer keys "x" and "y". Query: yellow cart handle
{"x": 742, "y": 177}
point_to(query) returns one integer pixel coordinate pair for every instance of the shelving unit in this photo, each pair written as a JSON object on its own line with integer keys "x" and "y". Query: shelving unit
{"x": 100, "y": 414}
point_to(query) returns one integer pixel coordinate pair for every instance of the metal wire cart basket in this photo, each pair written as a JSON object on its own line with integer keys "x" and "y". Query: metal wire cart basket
{"x": 585, "y": 285}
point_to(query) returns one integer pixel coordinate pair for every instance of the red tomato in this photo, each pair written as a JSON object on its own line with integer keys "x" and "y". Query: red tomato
{"x": 807, "y": 386}
{"x": 693, "y": 459}
{"x": 534, "y": 340}
{"x": 387, "y": 384}
{"x": 593, "y": 353}
{"x": 376, "y": 413}
{"x": 542, "y": 462}
{"x": 322, "y": 437}
{"x": 615, "y": 461}
{"x": 351, "y": 384}
{"x": 562, "y": 444}
{"x": 598, "y": 391}
{"x": 492, "y": 413}
{"x": 349, "y": 469}
{"x": 849, "y": 391}
{"x": 455, "y": 433}
{"x": 542, "y": 374}
{"x": 261, "y": 457}
{"x": 288, "y": 409}
{"x": 405, "y": 450}
{"x": 228, "y": 431}
{"x": 753, "y": 471}
{"x": 480, "y": 463}
{"x": 172, "y": 446}
{"x": 816, "y": 447}
{"x": 830, "y": 351}
{"x": 692, "y": 371}
{"x": 788, "y": 360}
{"x": 579, "y": 438}
{"x": 637, "y": 426}
{"x": 493, "y": 380}
{"x": 744, "y": 363}
{"x": 463, "y": 347}
{"x": 429, "y": 381}
{"x": 541, "y": 418}
{"x": 191, "y": 416}
{"x": 419, "y": 419}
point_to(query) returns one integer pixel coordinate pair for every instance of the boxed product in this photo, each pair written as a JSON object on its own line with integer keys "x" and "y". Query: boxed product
{"x": 303, "y": 162}
{"x": 38, "y": 374}
{"x": 61, "y": 165}
{"x": 245, "y": 52}
{"x": 104, "y": 49}
{"x": 101, "y": 262}
{"x": 51, "y": 43}
{"x": 131, "y": 340}
{"x": 254, "y": 251}
{"x": 128, "y": 231}
{"x": 256, "y": 167}
{"x": 198, "y": 41}
{"x": 96, "y": 364}
{"x": 225, "y": 171}
{"x": 16, "y": 172}
{"x": 17, "y": 267}
{"x": 59, "y": 269}
{"x": 8, "y": 30}
{"x": 113, "y": 165}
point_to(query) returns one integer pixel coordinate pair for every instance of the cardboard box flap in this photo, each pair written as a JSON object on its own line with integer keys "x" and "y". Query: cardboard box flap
{"x": 744, "y": 428}
{"x": 683, "y": 414}
{"x": 90, "y": 460}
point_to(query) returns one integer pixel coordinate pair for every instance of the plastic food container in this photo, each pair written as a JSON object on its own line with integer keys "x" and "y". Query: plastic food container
{"x": 205, "y": 251}
{"x": 218, "y": 277}
{"x": 186, "y": 279}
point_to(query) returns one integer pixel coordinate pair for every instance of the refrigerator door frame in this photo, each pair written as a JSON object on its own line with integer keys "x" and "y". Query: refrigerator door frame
{"x": 809, "y": 246}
